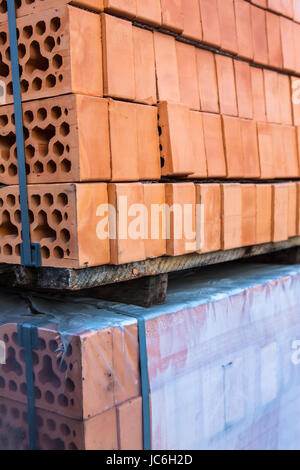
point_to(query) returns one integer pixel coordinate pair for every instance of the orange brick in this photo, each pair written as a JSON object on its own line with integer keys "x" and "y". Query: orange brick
{"x": 144, "y": 64}
{"x": 284, "y": 7}
{"x": 296, "y": 10}
{"x": 166, "y": 68}
{"x": 274, "y": 40}
{"x": 177, "y": 157}
{"x": 250, "y": 148}
{"x": 263, "y": 213}
{"x": 147, "y": 143}
{"x": 118, "y": 58}
{"x": 155, "y": 244}
{"x": 214, "y": 147}
{"x": 296, "y": 29}
{"x": 124, "y": 141}
{"x": 288, "y": 45}
{"x": 243, "y": 89}
{"x": 130, "y": 423}
{"x": 123, "y": 247}
{"x": 121, "y": 7}
{"x": 207, "y": 77}
{"x": 209, "y": 195}
{"x": 148, "y": 11}
{"x": 244, "y": 29}
{"x": 290, "y": 151}
{"x": 233, "y": 147}
{"x": 258, "y": 92}
{"x": 192, "y": 20}
{"x": 187, "y": 70}
{"x": 248, "y": 214}
{"x": 172, "y": 15}
{"x": 292, "y": 232}
{"x": 280, "y": 216}
{"x": 259, "y": 30}
{"x": 182, "y": 239}
{"x": 227, "y": 25}
{"x": 279, "y": 156}
{"x": 260, "y": 3}
{"x": 296, "y": 100}
{"x": 285, "y": 99}
{"x": 298, "y": 206}
{"x": 272, "y": 96}
{"x": 231, "y": 216}
{"x": 210, "y": 22}
{"x": 226, "y": 85}
{"x": 266, "y": 152}
{"x": 197, "y": 136}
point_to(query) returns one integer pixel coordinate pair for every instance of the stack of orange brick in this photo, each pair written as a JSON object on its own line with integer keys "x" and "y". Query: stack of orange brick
{"x": 151, "y": 106}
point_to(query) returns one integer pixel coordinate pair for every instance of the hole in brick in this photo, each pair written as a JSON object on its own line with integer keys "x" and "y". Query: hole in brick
{"x": 28, "y": 117}
{"x": 51, "y": 425}
{"x": 57, "y": 61}
{"x": 9, "y": 89}
{"x": 66, "y": 216}
{"x": 65, "y": 430}
{"x": 3, "y": 121}
{"x": 3, "y": 38}
{"x": 15, "y": 413}
{"x": 37, "y": 393}
{"x": 4, "y": 69}
{"x": 55, "y": 24}
{"x": 1, "y": 202}
{"x": 24, "y": 86}
{"x": 64, "y": 129}
{"x": 37, "y": 61}
{"x": 58, "y": 252}
{"x": 65, "y": 235}
{"x": 56, "y": 217}
{"x": 48, "y": 199}
{"x": 60, "y": 78}
{"x": 6, "y": 338}
{"x": 42, "y": 344}
{"x": 49, "y": 43}
{"x": 40, "y": 28}
{"x": 50, "y": 81}
{"x": 52, "y": 444}
{"x": 70, "y": 387}
{"x": 27, "y": 32}
{"x": 6, "y": 227}
{"x": 18, "y": 250}
{"x": 38, "y": 167}
{"x": 21, "y": 50}
{"x": 39, "y": 421}
{"x": 37, "y": 84}
{"x": 6, "y": 142}
{"x": 58, "y": 41}
{"x": 12, "y": 365}
{"x": 53, "y": 345}
{"x": 162, "y": 162}
{"x": 49, "y": 397}
{"x": 45, "y": 252}
{"x": 11, "y": 200}
{"x": 7, "y": 250}
{"x": 47, "y": 375}
{"x": 62, "y": 365}
{"x": 7, "y": 54}
{"x": 17, "y": 216}
{"x": 65, "y": 165}
{"x": 43, "y": 230}
{"x": 2, "y": 382}
{"x": 43, "y": 137}
{"x": 3, "y": 410}
{"x": 159, "y": 131}
{"x": 42, "y": 114}
{"x": 51, "y": 166}
{"x": 63, "y": 401}
{"x": 66, "y": 112}
{"x": 68, "y": 148}
{"x": 12, "y": 386}
{"x": 29, "y": 151}
{"x": 31, "y": 217}
{"x": 56, "y": 112}
{"x": 35, "y": 200}
{"x": 2, "y": 169}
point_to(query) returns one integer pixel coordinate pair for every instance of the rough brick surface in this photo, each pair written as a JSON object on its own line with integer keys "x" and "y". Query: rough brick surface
{"x": 63, "y": 219}
{"x": 51, "y": 57}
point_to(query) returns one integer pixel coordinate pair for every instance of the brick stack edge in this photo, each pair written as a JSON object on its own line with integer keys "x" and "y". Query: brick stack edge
{"x": 111, "y": 108}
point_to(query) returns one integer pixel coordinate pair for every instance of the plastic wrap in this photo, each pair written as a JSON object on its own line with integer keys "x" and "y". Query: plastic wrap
{"x": 223, "y": 364}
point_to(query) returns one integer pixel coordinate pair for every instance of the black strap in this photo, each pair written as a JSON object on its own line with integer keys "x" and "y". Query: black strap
{"x": 30, "y": 252}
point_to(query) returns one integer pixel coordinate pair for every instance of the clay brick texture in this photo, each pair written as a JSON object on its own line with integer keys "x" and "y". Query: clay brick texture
{"x": 62, "y": 219}
{"x": 51, "y": 56}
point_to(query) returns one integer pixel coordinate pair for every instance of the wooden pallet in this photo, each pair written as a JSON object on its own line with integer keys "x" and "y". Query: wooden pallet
{"x": 143, "y": 283}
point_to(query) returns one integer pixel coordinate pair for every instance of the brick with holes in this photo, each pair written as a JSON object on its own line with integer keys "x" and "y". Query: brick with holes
{"x": 66, "y": 140}
{"x": 64, "y": 219}
{"x": 54, "y": 50}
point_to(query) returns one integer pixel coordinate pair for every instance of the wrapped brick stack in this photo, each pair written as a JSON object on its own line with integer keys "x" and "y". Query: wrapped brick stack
{"x": 161, "y": 101}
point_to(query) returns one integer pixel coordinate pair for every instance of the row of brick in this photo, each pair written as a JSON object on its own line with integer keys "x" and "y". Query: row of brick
{"x": 76, "y": 138}
{"x": 232, "y": 25}
{"x": 138, "y": 65}
{"x": 75, "y": 228}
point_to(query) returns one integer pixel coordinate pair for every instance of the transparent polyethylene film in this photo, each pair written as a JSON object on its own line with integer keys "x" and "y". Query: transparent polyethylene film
{"x": 223, "y": 361}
